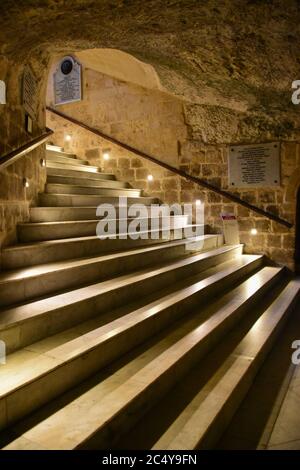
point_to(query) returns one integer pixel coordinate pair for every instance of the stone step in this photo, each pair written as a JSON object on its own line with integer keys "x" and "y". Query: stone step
{"x": 64, "y": 158}
{"x": 47, "y": 374}
{"x": 72, "y": 166}
{"x": 75, "y": 200}
{"x": 76, "y": 189}
{"x": 55, "y": 214}
{"x": 77, "y": 172}
{"x": 31, "y": 254}
{"x": 83, "y": 228}
{"x": 83, "y": 181}
{"x": 224, "y": 393}
{"x": 30, "y": 283}
{"x": 132, "y": 385}
{"x": 24, "y": 324}
{"x": 54, "y": 148}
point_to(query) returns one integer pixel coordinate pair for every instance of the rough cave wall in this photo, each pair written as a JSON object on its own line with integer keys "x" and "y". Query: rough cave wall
{"x": 15, "y": 199}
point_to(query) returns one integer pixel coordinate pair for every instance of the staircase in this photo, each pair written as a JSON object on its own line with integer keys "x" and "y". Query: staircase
{"x": 127, "y": 343}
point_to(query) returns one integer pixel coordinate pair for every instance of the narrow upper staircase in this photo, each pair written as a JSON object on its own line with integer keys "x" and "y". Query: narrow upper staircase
{"x": 127, "y": 342}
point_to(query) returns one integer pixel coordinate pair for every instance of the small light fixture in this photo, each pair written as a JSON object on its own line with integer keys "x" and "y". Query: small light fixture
{"x": 253, "y": 231}
{"x": 150, "y": 177}
{"x": 106, "y": 155}
{"x": 68, "y": 138}
{"x": 198, "y": 202}
{"x": 42, "y": 162}
{"x": 25, "y": 183}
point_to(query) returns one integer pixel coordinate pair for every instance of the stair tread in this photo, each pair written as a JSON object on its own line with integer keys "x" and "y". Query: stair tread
{"x": 233, "y": 370}
{"x": 127, "y": 380}
{"x": 13, "y": 315}
{"x": 33, "y": 271}
{"x": 22, "y": 246}
{"x": 62, "y": 185}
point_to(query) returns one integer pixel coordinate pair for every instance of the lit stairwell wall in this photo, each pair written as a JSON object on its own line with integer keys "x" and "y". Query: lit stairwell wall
{"x": 173, "y": 130}
{"x": 15, "y": 199}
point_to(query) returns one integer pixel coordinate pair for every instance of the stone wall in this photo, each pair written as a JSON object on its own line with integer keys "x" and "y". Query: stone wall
{"x": 15, "y": 199}
{"x": 163, "y": 126}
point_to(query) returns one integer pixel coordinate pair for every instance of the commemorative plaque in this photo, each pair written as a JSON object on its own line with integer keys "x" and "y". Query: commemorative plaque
{"x": 67, "y": 81}
{"x": 30, "y": 95}
{"x": 254, "y": 165}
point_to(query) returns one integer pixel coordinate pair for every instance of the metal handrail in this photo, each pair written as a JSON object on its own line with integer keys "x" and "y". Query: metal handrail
{"x": 14, "y": 155}
{"x": 199, "y": 181}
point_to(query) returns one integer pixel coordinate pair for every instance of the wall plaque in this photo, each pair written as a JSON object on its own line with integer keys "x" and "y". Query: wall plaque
{"x": 254, "y": 165}
{"x": 30, "y": 95}
{"x": 67, "y": 81}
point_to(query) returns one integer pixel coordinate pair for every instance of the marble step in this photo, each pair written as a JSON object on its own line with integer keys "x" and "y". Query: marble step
{"x": 132, "y": 385}
{"x": 47, "y": 374}
{"x": 64, "y": 159}
{"x": 77, "y": 171}
{"x": 27, "y": 284}
{"x": 55, "y": 148}
{"x": 31, "y": 254}
{"x": 72, "y": 166}
{"x": 83, "y": 181}
{"x": 75, "y": 200}
{"x": 42, "y": 231}
{"x": 55, "y": 214}
{"x": 21, "y": 325}
{"x": 226, "y": 390}
{"x": 51, "y": 188}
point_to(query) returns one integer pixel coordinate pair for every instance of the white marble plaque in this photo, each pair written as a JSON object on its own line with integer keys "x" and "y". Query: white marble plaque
{"x": 2, "y": 92}
{"x": 254, "y": 165}
{"x": 30, "y": 95}
{"x": 67, "y": 81}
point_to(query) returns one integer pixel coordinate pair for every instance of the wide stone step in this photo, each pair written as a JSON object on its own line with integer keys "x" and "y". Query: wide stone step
{"x": 75, "y": 200}
{"x": 55, "y": 148}
{"x": 24, "y": 324}
{"x": 47, "y": 374}
{"x": 26, "y": 284}
{"x": 83, "y": 181}
{"x": 76, "y": 189}
{"x": 83, "y": 228}
{"x": 55, "y": 214}
{"x": 31, "y": 254}
{"x": 72, "y": 166}
{"x": 224, "y": 394}
{"x": 64, "y": 159}
{"x": 77, "y": 172}
{"x": 131, "y": 387}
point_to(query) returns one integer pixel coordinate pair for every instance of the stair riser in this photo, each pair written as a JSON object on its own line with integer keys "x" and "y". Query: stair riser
{"x": 85, "y": 169}
{"x": 62, "y": 200}
{"x": 35, "y": 328}
{"x": 56, "y": 179}
{"x": 27, "y": 233}
{"x": 64, "y": 160}
{"x": 56, "y": 214}
{"x": 80, "y": 248}
{"x": 73, "y": 372}
{"x": 60, "y": 152}
{"x": 69, "y": 189}
{"x": 62, "y": 170}
{"x": 23, "y": 290}
{"x": 121, "y": 423}
{"x": 230, "y": 406}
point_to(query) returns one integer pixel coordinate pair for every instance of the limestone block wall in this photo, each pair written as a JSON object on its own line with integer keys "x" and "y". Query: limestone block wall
{"x": 15, "y": 199}
{"x": 165, "y": 127}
